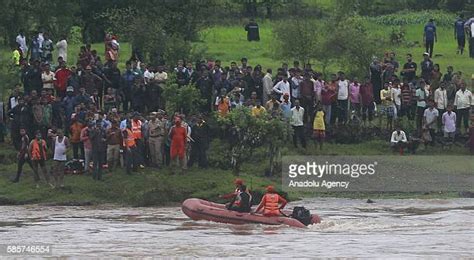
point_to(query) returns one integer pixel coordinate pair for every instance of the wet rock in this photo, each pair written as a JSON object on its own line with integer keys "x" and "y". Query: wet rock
{"x": 370, "y": 201}
{"x": 466, "y": 194}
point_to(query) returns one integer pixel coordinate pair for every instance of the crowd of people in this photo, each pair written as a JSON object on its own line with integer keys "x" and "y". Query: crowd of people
{"x": 111, "y": 117}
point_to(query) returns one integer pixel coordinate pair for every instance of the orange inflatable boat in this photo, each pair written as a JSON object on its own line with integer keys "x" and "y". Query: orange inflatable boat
{"x": 198, "y": 209}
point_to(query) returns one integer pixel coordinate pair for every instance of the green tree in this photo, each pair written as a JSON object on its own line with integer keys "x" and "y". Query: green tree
{"x": 185, "y": 99}
{"x": 297, "y": 39}
{"x": 248, "y": 132}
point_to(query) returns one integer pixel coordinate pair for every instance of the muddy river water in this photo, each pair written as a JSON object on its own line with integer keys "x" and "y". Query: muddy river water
{"x": 350, "y": 228}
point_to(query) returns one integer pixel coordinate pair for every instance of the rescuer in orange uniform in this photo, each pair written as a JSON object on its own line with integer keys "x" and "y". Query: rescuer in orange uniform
{"x": 271, "y": 203}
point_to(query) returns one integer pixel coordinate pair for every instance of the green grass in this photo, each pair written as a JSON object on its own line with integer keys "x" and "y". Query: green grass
{"x": 229, "y": 43}
{"x": 158, "y": 187}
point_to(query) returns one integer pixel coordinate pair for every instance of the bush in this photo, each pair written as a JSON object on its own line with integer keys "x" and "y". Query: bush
{"x": 414, "y": 18}
{"x": 185, "y": 99}
{"x": 397, "y": 35}
{"x": 75, "y": 35}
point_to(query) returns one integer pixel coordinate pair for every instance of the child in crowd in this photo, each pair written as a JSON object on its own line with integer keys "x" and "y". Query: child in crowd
{"x": 319, "y": 127}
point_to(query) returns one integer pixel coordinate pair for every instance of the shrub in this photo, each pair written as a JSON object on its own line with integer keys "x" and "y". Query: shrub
{"x": 185, "y": 99}
{"x": 411, "y": 18}
{"x": 75, "y": 35}
{"x": 397, "y": 35}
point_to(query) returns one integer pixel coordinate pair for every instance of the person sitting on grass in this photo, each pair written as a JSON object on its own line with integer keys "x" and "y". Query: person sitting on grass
{"x": 399, "y": 140}
{"x": 414, "y": 141}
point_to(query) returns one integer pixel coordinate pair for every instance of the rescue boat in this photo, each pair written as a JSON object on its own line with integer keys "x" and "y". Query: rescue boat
{"x": 198, "y": 209}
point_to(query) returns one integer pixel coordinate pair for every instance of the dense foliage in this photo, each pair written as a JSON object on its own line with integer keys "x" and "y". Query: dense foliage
{"x": 441, "y": 18}
{"x": 246, "y": 133}
{"x": 184, "y": 99}
{"x": 341, "y": 40}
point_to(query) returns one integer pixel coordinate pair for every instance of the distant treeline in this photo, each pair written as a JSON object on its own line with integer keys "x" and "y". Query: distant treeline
{"x": 184, "y": 17}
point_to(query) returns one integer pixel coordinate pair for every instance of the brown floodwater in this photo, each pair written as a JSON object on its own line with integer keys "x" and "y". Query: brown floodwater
{"x": 350, "y": 228}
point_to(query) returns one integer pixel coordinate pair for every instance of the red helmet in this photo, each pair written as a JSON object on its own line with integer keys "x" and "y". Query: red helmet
{"x": 270, "y": 188}
{"x": 238, "y": 181}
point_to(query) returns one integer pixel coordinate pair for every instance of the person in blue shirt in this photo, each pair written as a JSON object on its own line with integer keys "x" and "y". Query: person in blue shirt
{"x": 460, "y": 34}
{"x": 430, "y": 37}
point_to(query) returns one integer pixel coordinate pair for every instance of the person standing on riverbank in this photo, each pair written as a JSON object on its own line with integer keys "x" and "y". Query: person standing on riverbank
{"x": 85, "y": 139}
{"x": 99, "y": 148}
{"x": 156, "y": 133}
{"x": 200, "y": 143}
{"x": 37, "y": 152}
{"x": 462, "y": 103}
{"x": 130, "y": 148}
{"x": 60, "y": 147}
{"x": 23, "y": 154}
{"x": 114, "y": 139}
{"x": 178, "y": 135}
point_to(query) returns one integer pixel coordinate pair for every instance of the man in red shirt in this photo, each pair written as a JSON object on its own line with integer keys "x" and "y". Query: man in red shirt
{"x": 62, "y": 75}
{"x": 367, "y": 100}
{"x": 178, "y": 136}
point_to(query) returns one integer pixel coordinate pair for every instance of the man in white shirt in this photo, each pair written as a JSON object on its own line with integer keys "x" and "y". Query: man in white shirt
{"x": 295, "y": 91}
{"x": 148, "y": 75}
{"x": 462, "y": 103}
{"x": 48, "y": 77}
{"x": 267, "y": 86}
{"x": 396, "y": 94}
{"x": 282, "y": 87}
{"x": 469, "y": 25}
{"x": 21, "y": 40}
{"x": 449, "y": 125}
{"x": 61, "y": 46}
{"x": 430, "y": 117}
{"x": 441, "y": 101}
{"x": 297, "y": 115}
{"x": 342, "y": 98}
{"x": 399, "y": 140}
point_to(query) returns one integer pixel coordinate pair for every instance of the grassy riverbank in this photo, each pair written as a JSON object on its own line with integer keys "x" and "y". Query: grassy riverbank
{"x": 150, "y": 187}
{"x": 159, "y": 187}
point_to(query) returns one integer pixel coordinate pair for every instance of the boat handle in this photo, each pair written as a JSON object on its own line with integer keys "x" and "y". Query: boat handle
{"x": 200, "y": 210}
{"x": 239, "y": 215}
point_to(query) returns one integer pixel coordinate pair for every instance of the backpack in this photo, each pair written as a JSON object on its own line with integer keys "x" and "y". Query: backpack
{"x": 302, "y": 214}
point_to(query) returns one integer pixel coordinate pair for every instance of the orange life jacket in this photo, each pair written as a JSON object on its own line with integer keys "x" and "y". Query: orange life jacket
{"x": 271, "y": 205}
{"x": 137, "y": 129}
{"x": 38, "y": 153}
{"x": 130, "y": 140}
